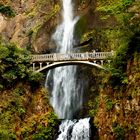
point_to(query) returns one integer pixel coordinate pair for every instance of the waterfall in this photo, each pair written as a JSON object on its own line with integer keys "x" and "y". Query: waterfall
{"x": 66, "y": 96}
{"x": 66, "y": 93}
{"x": 74, "y": 130}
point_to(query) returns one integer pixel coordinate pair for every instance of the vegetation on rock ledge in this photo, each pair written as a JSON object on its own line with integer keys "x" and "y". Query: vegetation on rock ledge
{"x": 15, "y": 66}
{"x": 7, "y": 11}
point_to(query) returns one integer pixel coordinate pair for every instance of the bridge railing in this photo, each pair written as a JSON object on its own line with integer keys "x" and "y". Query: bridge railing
{"x": 71, "y": 56}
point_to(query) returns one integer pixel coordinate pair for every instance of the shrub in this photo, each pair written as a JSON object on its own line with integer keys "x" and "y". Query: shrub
{"x": 15, "y": 66}
{"x": 49, "y": 132}
{"x": 93, "y": 106}
{"x": 109, "y": 103}
{"x": 119, "y": 65}
{"x": 7, "y": 11}
{"x": 4, "y": 135}
{"x": 14, "y": 63}
{"x": 35, "y": 79}
{"x": 118, "y": 131}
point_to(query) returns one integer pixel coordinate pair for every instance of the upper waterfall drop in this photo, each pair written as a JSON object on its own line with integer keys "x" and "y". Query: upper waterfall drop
{"x": 68, "y": 22}
{"x": 64, "y": 32}
{"x": 66, "y": 95}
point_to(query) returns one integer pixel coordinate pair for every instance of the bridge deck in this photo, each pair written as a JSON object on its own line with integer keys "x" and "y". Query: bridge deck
{"x": 71, "y": 56}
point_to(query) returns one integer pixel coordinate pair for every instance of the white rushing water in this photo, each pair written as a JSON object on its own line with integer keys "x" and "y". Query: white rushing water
{"x": 65, "y": 97}
{"x": 66, "y": 94}
{"x": 74, "y": 130}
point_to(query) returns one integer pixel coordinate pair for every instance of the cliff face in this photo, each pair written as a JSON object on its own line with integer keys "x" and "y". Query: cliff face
{"x": 113, "y": 98}
{"x": 35, "y": 21}
{"x": 119, "y": 109}
{"x": 26, "y": 114}
{"x": 32, "y": 25}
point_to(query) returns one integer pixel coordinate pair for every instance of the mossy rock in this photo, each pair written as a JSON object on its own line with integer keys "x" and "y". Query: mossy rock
{"x": 80, "y": 27}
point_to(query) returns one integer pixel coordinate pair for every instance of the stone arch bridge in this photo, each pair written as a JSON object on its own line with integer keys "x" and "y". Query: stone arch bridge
{"x": 48, "y": 61}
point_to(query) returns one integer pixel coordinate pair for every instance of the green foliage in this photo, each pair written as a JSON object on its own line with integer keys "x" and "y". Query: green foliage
{"x": 12, "y": 111}
{"x": 4, "y": 135}
{"x": 33, "y": 32}
{"x": 93, "y": 107}
{"x": 44, "y": 127}
{"x": 15, "y": 66}
{"x": 119, "y": 9}
{"x": 119, "y": 67}
{"x": 14, "y": 63}
{"x": 115, "y": 7}
{"x": 7, "y": 11}
{"x": 35, "y": 79}
{"x": 109, "y": 103}
{"x": 124, "y": 54}
{"x": 47, "y": 133}
{"x": 118, "y": 131}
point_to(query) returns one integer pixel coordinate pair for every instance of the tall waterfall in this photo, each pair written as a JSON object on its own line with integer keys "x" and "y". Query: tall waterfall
{"x": 66, "y": 97}
{"x": 66, "y": 93}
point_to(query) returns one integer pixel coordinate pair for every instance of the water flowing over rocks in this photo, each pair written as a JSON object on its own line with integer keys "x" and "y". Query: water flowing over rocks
{"x": 74, "y": 130}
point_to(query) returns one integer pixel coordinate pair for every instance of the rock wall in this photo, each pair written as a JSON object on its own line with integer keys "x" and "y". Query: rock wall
{"x": 33, "y": 24}
{"x": 119, "y": 110}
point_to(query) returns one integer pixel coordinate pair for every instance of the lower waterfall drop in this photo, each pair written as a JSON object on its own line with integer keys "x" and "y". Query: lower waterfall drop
{"x": 74, "y": 130}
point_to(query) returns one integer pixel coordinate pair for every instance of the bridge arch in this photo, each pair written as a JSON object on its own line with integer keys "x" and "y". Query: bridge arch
{"x": 65, "y": 63}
